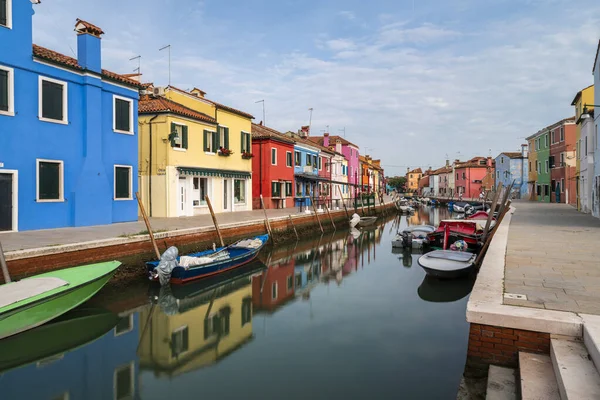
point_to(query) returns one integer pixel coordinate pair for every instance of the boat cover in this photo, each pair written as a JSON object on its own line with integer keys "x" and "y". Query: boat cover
{"x": 17, "y": 291}
{"x": 248, "y": 244}
{"x": 188, "y": 261}
{"x": 168, "y": 262}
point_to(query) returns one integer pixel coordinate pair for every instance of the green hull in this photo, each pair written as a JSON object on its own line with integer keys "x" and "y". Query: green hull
{"x": 66, "y": 333}
{"x": 84, "y": 282}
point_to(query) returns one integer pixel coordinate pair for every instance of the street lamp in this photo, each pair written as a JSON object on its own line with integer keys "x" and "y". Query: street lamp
{"x": 585, "y": 114}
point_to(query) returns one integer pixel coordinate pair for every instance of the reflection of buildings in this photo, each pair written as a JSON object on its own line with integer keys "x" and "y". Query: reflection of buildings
{"x": 275, "y": 286}
{"x": 106, "y": 368}
{"x": 199, "y": 329}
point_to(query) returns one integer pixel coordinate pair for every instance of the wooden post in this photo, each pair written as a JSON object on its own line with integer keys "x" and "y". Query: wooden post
{"x": 312, "y": 200}
{"x": 488, "y": 240}
{"x": 294, "y": 226}
{"x": 214, "y": 218}
{"x": 148, "y": 227}
{"x": 343, "y": 202}
{"x": 4, "y": 266}
{"x": 491, "y": 214}
{"x": 330, "y": 217}
{"x": 267, "y": 223}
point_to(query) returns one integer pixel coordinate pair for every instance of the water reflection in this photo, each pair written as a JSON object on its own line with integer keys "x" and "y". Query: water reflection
{"x": 354, "y": 286}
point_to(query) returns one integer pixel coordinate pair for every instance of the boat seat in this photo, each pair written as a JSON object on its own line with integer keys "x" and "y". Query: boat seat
{"x": 11, "y": 293}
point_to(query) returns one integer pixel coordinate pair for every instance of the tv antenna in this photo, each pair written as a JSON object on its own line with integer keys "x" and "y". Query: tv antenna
{"x": 163, "y": 48}
{"x": 138, "y": 69}
{"x": 263, "y": 105}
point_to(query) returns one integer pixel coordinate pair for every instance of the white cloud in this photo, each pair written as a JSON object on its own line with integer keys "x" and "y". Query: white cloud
{"x": 349, "y": 15}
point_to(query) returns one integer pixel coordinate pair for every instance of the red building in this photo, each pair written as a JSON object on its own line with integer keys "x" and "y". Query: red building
{"x": 274, "y": 287}
{"x": 474, "y": 176}
{"x": 563, "y": 137}
{"x": 272, "y": 168}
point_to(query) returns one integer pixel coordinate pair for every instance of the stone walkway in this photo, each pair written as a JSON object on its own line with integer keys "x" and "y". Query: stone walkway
{"x": 553, "y": 258}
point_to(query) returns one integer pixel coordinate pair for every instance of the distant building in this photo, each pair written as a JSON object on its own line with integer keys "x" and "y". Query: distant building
{"x": 563, "y": 183}
{"x": 539, "y": 155}
{"x": 68, "y": 130}
{"x": 412, "y": 179}
{"x": 512, "y": 168}
{"x": 584, "y": 164}
{"x": 471, "y": 177}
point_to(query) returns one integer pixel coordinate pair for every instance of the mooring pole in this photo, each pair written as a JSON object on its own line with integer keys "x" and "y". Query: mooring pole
{"x": 214, "y": 218}
{"x": 294, "y": 226}
{"x": 148, "y": 227}
{"x": 343, "y": 202}
{"x": 4, "y": 266}
{"x": 267, "y": 223}
{"x": 330, "y": 217}
{"x": 312, "y": 200}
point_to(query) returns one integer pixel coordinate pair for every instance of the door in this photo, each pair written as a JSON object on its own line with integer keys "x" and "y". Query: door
{"x": 6, "y": 202}
{"x": 225, "y": 194}
{"x": 182, "y": 197}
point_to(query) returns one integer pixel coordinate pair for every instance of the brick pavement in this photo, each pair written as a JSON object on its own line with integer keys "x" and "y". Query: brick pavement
{"x": 553, "y": 257}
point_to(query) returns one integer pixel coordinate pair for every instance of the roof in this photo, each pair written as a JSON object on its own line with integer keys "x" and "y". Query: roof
{"x": 217, "y": 105}
{"x": 264, "y": 132}
{"x": 549, "y": 127}
{"x": 578, "y": 95}
{"x": 151, "y": 105}
{"x": 416, "y": 171}
{"x": 443, "y": 170}
{"x": 307, "y": 142}
{"x": 596, "y": 59}
{"x": 82, "y": 26}
{"x": 512, "y": 154}
{"x": 334, "y": 138}
{"x": 473, "y": 163}
{"x": 70, "y": 62}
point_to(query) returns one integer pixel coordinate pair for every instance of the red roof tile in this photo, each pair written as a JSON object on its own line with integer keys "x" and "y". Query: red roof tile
{"x": 151, "y": 105}
{"x": 332, "y": 140}
{"x": 70, "y": 62}
{"x": 218, "y": 105}
{"x": 261, "y": 131}
{"x": 89, "y": 27}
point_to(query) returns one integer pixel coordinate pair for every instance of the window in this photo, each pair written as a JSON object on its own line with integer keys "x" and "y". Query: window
{"x": 245, "y": 139}
{"x": 179, "y": 136}
{"x": 562, "y": 185}
{"x": 246, "y": 310}
{"x": 562, "y": 133}
{"x": 274, "y": 291}
{"x": 586, "y": 149}
{"x": 546, "y": 142}
{"x": 551, "y": 160}
{"x": 123, "y": 181}
{"x": 562, "y": 159}
{"x": 239, "y": 191}
{"x": 290, "y": 283}
{"x": 298, "y": 189}
{"x": 50, "y": 180}
{"x": 288, "y": 189}
{"x": 273, "y": 156}
{"x": 200, "y": 191}
{"x": 6, "y": 90}
{"x": 275, "y": 189}
{"x": 464, "y": 175}
{"x": 497, "y": 174}
{"x": 52, "y": 100}
{"x": 211, "y": 141}
{"x": 538, "y": 190}
{"x": 501, "y": 160}
{"x": 6, "y": 13}
{"x": 547, "y": 165}
{"x": 553, "y": 138}
{"x": 308, "y": 158}
{"x": 410, "y": 176}
{"x": 320, "y": 163}
{"x": 122, "y": 114}
{"x": 124, "y": 382}
{"x": 457, "y": 175}
{"x": 530, "y": 165}
{"x": 179, "y": 341}
{"x": 314, "y": 163}
{"x": 224, "y": 137}
{"x": 546, "y": 190}
{"x": 288, "y": 158}
{"x": 553, "y": 185}
{"x": 297, "y": 158}
{"x": 124, "y": 325}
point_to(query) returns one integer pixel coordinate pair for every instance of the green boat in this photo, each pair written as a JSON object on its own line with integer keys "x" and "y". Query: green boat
{"x": 34, "y": 301}
{"x": 66, "y": 333}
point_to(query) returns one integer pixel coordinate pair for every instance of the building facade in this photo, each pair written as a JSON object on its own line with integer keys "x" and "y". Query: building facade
{"x": 306, "y": 170}
{"x": 540, "y": 154}
{"x": 412, "y": 179}
{"x": 595, "y": 203}
{"x": 471, "y": 175}
{"x": 69, "y": 131}
{"x": 190, "y": 148}
{"x": 273, "y": 168}
{"x": 513, "y": 168}
{"x": 532, "y": 167}
{"x": 350, "y": 151}
{"x": 583, "y": 174}
{"x": 563, "y": 181}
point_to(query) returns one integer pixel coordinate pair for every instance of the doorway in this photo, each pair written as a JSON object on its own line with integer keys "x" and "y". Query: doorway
{"x": 225, "y": 194}
{"x": 182, "y": 197}
{"x": 8, "y": 201}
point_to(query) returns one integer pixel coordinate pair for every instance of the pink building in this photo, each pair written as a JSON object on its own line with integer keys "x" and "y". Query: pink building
{"x": 444, "y": 181}
{"x": 473, "y": 176}
{"x": 350, "y": 152}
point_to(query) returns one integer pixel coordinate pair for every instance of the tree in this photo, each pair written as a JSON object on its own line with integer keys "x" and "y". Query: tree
{"x": 397, "y": 182}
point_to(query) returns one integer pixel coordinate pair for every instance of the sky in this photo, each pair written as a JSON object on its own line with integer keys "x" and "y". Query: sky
{"x": 413, "y": 83}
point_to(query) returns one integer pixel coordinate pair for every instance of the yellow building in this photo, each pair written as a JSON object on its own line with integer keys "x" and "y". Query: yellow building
{"x": 200, "y": 329}
{"x": 190, "y": 147}
{"x": 412, "y": 180}
{"x": 585, "y": 96}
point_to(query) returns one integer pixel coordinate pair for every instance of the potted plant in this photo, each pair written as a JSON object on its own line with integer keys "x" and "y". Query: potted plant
{"x": 246, "y": 155}
{"x": 225, "y": 152}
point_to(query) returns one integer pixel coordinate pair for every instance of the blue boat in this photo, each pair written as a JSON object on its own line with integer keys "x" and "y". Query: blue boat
{"x": 209, "y": 262}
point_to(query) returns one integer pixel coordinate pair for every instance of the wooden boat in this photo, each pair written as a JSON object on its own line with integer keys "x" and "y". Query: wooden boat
{"x": 217, "y": 261}
{"x": 471, "y": 231}
{"x": 65, "y": 333}
{"x": 447, "y": 264}
{"x": 34, "y": 301}
{"x": 367, "y": 221}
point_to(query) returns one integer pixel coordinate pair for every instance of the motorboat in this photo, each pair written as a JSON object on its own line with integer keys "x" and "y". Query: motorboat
{"x": 414, "y": 236}
{"x": 447, "y": 264}
{"x": 471, "y": 231}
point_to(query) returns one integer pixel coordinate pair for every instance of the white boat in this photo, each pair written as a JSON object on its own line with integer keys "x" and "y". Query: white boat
{"x": 367, "y": 221}
{"x": 447, "y": 264}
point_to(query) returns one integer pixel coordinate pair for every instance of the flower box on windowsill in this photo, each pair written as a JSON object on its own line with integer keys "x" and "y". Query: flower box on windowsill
{"x": 223, "y": 152}
{"x": 247, "y": 156}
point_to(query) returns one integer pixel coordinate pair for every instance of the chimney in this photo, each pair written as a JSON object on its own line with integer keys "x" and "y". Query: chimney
{"x": 407, "y": 170}
{"x": 88, "y": 46}
{"x": 326, "y": 139}
{"x": 524, "y": 150}
{"x": 489, "y": 161}
{"x": 197, "y": 92}
{"x": 447, "y": 163}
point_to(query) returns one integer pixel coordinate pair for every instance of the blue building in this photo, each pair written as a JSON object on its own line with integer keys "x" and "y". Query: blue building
{"x": 512, "y": 166}
{"x": 68, "y": 142}
{"x": 307, "y": 163}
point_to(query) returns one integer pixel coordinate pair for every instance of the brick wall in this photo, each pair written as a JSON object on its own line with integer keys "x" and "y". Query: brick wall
{"x": 501, "y": 346}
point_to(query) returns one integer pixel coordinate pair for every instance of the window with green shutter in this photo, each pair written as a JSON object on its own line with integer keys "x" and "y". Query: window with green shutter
{"x": 53, "y": 95}
{"x": 226, "y": 138}
{"x": 248, "y": 142}
{"x": 49, "y": 180}
{"x": 3, "y": 13}
{"x": 122, "y": 182}
{"x": 308, "y": 159}
{"x": 177, "y": 136}
{"x": 123, "y": 108}
{"x": 297, "y": 158}
{"x": 275, "y": 189}
{"x": 288, "y": 189}
{"x": 184, "y": 137}
{"x": 205, "y": 141}
{"x": 215, "y": 142}
{"x": 4, "y": 90}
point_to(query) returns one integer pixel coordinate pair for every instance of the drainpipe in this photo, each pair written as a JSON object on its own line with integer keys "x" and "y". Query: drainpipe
{"x": 150, "y": 167}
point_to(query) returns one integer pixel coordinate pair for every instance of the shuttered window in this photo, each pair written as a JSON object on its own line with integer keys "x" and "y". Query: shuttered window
{"x": 4, "y": 89}
{"x": 288, "y": 189}
{"x": 122, "y": 182}
{"x": 179, "y": 136}
{"x": 3, "y": 12}
{"x": 288, "y": 158}
{"x": 245, "y": 142}
{"x": 53, "y": 95}
{"x": 123, "y": 115}
{"x": 297, "y": 156}
{"x": 50, "y": 180}
{"x": 273, "y": 156}
{"x": 275, "y": 189}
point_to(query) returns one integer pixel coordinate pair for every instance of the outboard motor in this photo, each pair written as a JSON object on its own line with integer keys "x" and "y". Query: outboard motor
{"x": 407, "y": 238}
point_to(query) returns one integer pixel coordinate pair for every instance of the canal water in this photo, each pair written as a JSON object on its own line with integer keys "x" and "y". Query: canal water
{"x": 334, "y": 317}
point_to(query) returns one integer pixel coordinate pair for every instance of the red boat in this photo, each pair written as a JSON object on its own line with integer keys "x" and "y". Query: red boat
{"x": 471, "y": 231}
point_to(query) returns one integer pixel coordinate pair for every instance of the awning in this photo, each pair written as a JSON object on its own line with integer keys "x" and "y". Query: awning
{"x": 222, "y": 173}
{"x": 310, "y": 177}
